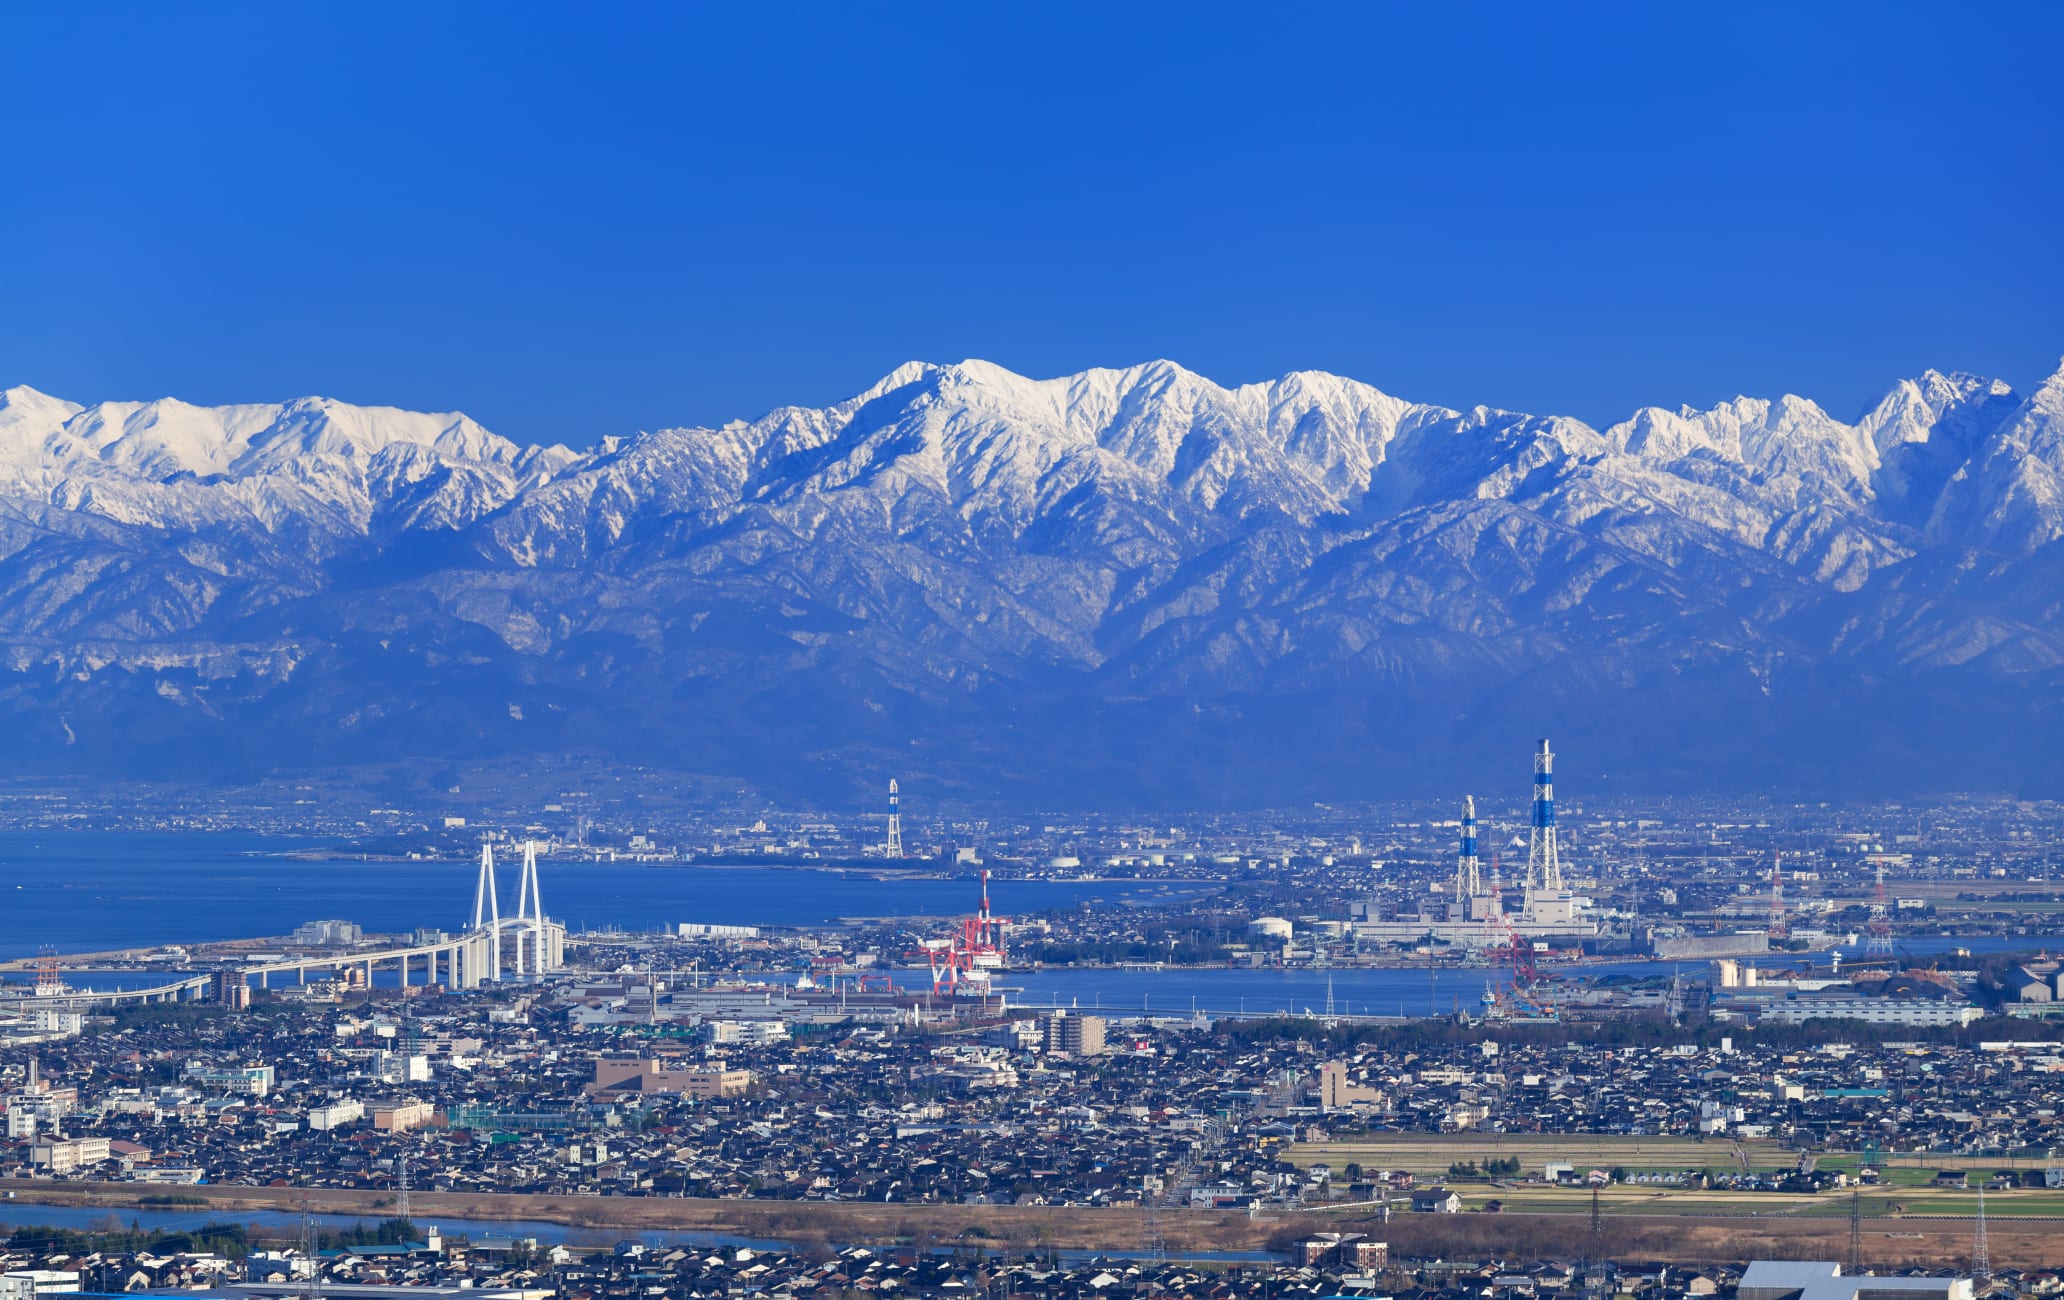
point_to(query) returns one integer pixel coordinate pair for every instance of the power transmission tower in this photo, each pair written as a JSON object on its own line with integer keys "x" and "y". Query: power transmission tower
{"x": 311, "y": 1281}
{"x": 1151, "y": 1246}
{"x": 1597, "y": 1224}
{"x": 402, "y": 1198}
{"x": 1855, "y": 1233}
{"x": 1981, "y": 1256}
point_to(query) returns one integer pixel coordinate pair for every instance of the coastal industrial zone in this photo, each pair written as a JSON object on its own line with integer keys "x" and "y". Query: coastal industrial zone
{"x": 1767, "y": 1052}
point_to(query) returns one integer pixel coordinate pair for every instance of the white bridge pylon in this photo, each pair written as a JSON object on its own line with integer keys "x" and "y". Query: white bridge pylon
{"x": 537, "y": 945}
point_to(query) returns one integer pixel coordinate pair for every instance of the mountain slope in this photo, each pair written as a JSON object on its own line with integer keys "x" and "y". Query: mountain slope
{"x": 1134, "y": 586}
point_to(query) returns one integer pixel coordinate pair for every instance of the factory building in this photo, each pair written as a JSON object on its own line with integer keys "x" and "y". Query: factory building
{"x": 1874, "y": 1011}
{"x": 1273, "y": 931}
{"x": 693, "y": 930}
{"x": 1749, "y": 943}
{"x": 1803, "y": 1280}
{"x": 327, "y": 934}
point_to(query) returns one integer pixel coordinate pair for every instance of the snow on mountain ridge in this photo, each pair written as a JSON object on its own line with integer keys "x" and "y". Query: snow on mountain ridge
{"x": 2010, "y": 494}
{"x": 1138, "y": 561}
{"x": 1002, "y": 450}
{"x": 169, "y": 437}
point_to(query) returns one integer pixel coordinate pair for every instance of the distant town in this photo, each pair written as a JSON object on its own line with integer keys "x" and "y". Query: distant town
{"x": 1679, "y": 1022}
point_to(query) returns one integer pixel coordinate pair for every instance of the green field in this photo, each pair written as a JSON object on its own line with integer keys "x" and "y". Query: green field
{"x": 1907, "y": 1186}
{"x": 1429, "y": 1155}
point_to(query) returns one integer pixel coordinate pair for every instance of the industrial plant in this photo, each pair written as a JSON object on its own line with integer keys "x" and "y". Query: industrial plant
{"x": 1474, "y": 914}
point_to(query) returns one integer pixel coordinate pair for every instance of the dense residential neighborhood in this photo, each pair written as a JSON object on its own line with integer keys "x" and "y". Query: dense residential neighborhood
{"x": 506, "y": 1269}
{"x": 602, "y": 1085}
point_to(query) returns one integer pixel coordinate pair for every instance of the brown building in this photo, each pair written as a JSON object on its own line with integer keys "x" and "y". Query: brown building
{"x": 617, "y": 1075}
{"x": 1339, "y": 1091}
{"x": 1345, "y": 1249}
{"x": 1075, "y": 1035}
{"x": 401, "y": 1116}
{"x": 232, "y": 991}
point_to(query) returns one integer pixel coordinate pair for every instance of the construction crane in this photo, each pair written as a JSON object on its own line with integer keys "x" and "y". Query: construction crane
{"x": 1524, "y": 984}
{"x": 964, "y": 964}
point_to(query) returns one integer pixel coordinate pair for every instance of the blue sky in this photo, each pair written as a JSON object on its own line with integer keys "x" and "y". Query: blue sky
{"x": 583, "y": 220}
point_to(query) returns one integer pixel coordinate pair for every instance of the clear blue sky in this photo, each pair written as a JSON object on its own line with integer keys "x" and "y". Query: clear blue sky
{"x": 582, "y": 220}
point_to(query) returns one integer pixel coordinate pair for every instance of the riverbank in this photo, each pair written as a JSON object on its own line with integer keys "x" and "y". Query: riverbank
{"x": 1017, "y": 1227}
{"x": 1888, "y": 1242}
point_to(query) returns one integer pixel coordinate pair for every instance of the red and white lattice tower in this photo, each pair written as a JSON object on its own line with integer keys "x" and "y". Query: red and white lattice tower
{"x": 1879, "y": 944}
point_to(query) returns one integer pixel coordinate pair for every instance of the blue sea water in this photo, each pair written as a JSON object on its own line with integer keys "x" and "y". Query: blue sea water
{"x": 85, "y": 891}
{"x": 88, "y": 891}
{"x": 1386, "y": 991}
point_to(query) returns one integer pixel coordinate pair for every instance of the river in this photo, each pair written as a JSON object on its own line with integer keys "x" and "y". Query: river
{"x": 26, "y": 1214}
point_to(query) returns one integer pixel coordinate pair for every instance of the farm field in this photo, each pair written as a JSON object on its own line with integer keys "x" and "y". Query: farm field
{"x": 1907, "y": 1188}
{"x": 1429, "y": 1155}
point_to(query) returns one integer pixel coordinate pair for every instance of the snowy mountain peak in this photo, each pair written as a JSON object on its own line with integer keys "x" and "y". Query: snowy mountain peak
{"x": 30, "y": 416}
{"x": 169, "y": 438}
{"x": 1184, "y": 571}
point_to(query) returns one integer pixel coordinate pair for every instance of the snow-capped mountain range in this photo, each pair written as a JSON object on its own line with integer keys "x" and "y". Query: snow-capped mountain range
{"x": 1126, "y": 585}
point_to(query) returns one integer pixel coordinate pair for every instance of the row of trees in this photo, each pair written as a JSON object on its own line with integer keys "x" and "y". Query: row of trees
{"x": 109, "y": 1235}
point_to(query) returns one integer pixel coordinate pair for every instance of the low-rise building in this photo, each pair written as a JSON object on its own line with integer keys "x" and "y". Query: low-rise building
{"x": 402, "y": 1116}
{"x": 62, "y": 1155}
{"x": 336, "y": 1114}
{"x": 1873, "y": 1011}
{"x": 30, "y": 1283}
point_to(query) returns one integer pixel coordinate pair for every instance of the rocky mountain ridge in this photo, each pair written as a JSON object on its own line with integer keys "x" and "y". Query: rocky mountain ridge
{"x": 1126, "y": 585}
